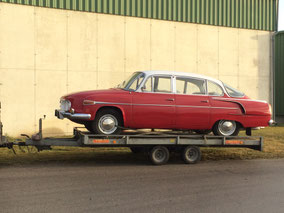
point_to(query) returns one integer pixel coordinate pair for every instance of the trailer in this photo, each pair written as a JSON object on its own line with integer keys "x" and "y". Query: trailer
{"x": 158, "y": 145}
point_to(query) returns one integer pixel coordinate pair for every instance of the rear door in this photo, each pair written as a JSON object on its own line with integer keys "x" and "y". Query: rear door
{"x": 192, "y": 103}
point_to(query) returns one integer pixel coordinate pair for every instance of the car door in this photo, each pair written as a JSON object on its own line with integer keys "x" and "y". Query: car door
{"x": 154, "y": 106}
{"x": 192, "y": 103}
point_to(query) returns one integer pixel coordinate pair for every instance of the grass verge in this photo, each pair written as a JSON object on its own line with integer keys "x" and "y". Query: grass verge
{"x": 273, "y": 148}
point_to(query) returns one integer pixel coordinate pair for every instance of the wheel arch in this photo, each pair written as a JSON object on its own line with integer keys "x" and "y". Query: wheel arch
{"x": 236, "y": 120}
{"x": 116, "y": 108}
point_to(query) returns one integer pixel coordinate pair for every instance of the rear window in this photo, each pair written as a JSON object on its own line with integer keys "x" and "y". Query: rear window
{"x": 233, "y": 92}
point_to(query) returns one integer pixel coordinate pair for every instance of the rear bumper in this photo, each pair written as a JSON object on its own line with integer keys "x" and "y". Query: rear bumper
{"x": 272, "y": 123}
{"x": 76, "y": 116}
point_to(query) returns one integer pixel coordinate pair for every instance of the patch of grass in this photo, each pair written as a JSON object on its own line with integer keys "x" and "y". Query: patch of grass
{"x": 273, "y": 148}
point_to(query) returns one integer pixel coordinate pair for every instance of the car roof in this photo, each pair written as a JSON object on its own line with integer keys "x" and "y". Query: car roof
{"x": 163, "y": 72}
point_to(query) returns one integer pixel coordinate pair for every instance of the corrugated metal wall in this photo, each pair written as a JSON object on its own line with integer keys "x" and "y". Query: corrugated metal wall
{"x": 251, "y": 14}
{"x": 279, "y": 73}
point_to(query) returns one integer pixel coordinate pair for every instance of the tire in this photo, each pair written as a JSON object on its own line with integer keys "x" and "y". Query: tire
{"x": 107, "y": 122}
{"x": 226, "y": 128}
{"x": 136, "y": 150}
{"x": 159, "y": 155}
{"x": 191, "y": 154}
{"x": 202, "y": 131}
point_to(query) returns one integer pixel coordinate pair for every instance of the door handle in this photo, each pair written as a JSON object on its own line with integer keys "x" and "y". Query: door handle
{"x": 170, "y": 99}
{"x": 204, "y": 101}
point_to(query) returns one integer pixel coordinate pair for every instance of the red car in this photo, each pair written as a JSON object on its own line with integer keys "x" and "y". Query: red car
{"x": 166, "y": 100}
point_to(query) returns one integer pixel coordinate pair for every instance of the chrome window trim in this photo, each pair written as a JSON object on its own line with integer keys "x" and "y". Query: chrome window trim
{"x": 130, "y": 83}
{"x": 152, "y": 83}
{"x": 230, "y": 95}
{"x": 205, "y": 85}
{"x": 221, "y": 86}
{"x": 174, "y": 76}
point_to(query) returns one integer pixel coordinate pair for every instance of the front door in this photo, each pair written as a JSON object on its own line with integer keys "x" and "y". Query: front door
{"x": 154, "y": 107}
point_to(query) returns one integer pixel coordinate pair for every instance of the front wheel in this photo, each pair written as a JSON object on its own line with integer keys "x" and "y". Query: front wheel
{"x": 226, "y": 128}
{"x": 159, "y": 155}
{"x": 107, "y": 122}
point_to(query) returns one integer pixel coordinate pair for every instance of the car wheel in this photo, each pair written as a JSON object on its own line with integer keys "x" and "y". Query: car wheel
{"x": 159, "y": 155}
{"x": 226, "y": 128}
{"x": 202, "y": 131}
{"x": 107, "y": 122}
{"x": 191, "y": 154}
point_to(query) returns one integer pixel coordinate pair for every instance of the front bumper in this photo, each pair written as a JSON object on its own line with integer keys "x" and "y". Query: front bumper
{"x": 272, "y": 123}
{"x": 76, "y": 116}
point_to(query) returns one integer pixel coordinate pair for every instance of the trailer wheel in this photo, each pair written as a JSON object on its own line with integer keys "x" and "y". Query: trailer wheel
{"x": 159, "y": 155}
{"x": 191, "y": 154}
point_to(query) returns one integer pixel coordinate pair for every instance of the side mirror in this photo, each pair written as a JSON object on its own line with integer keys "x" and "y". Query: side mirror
{"x": 143, "y": 88}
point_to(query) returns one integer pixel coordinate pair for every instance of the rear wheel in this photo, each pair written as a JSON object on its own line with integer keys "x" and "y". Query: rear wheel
{"x": 226, "y": 128}
{"x": 191, "y": 154}
{"x": 107, "y": 122}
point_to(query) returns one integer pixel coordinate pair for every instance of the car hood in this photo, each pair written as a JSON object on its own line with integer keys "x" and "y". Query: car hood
{"x": 85, "y": 94}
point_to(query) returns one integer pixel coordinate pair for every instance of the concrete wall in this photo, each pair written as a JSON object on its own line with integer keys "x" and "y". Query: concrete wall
{"x": 46, "y": 53}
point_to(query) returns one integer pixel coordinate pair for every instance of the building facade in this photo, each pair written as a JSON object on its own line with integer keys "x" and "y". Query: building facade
{"x": 52, "y": 47}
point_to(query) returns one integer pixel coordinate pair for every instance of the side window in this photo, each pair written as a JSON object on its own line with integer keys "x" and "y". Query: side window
{"x": 190, "y": 86}
{"x": 162, "y": 84}
{"x": 214, "y": 89}
{"x": 136, "y": 83}
{"x": 148, "y": 85}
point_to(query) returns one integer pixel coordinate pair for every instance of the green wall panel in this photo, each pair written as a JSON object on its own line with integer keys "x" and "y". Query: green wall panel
{"x": 279, "y": 73}
{"x": 250, "y": 14}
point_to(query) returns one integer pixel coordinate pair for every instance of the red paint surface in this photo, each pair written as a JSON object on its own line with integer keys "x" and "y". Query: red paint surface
{"x": 173, "y": 111}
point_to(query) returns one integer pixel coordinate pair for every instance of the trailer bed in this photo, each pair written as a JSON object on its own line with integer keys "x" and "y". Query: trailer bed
{"x": 157, "y": 144}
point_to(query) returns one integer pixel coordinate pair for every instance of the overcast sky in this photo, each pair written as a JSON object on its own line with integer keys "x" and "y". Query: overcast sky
{"x": 281, "y": 15}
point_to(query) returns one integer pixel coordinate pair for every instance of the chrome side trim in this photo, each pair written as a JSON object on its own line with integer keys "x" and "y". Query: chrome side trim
{"x": 237, "y": 99}
{"x": 232, "y": 101}
{"x": 128, "y": 104}
{"x": 189, "y": 106}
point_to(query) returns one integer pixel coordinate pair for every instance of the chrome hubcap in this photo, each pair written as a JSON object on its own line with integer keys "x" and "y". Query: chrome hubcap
{"x": 160, "y": 155}
{"x": 227, "y": 128}
{"x": 191, "y": 154}
{"x": 108, "y": 124}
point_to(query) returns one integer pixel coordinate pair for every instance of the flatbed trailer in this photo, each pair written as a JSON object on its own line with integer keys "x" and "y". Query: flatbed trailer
{"x": 158, "y": 145}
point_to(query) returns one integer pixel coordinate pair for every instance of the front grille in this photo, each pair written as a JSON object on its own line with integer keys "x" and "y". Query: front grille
{"x": 65, "y": 105}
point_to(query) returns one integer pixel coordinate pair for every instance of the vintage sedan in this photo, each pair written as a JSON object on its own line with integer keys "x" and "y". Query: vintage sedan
{"x": 166, "y": 100}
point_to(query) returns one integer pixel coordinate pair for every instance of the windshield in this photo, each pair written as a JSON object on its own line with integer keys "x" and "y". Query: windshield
{"x": 132, "y": 82}
{"x": 232, "y": 91}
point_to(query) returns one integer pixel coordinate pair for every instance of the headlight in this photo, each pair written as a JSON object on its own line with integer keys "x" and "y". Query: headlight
{"x": 65, "y": 105}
